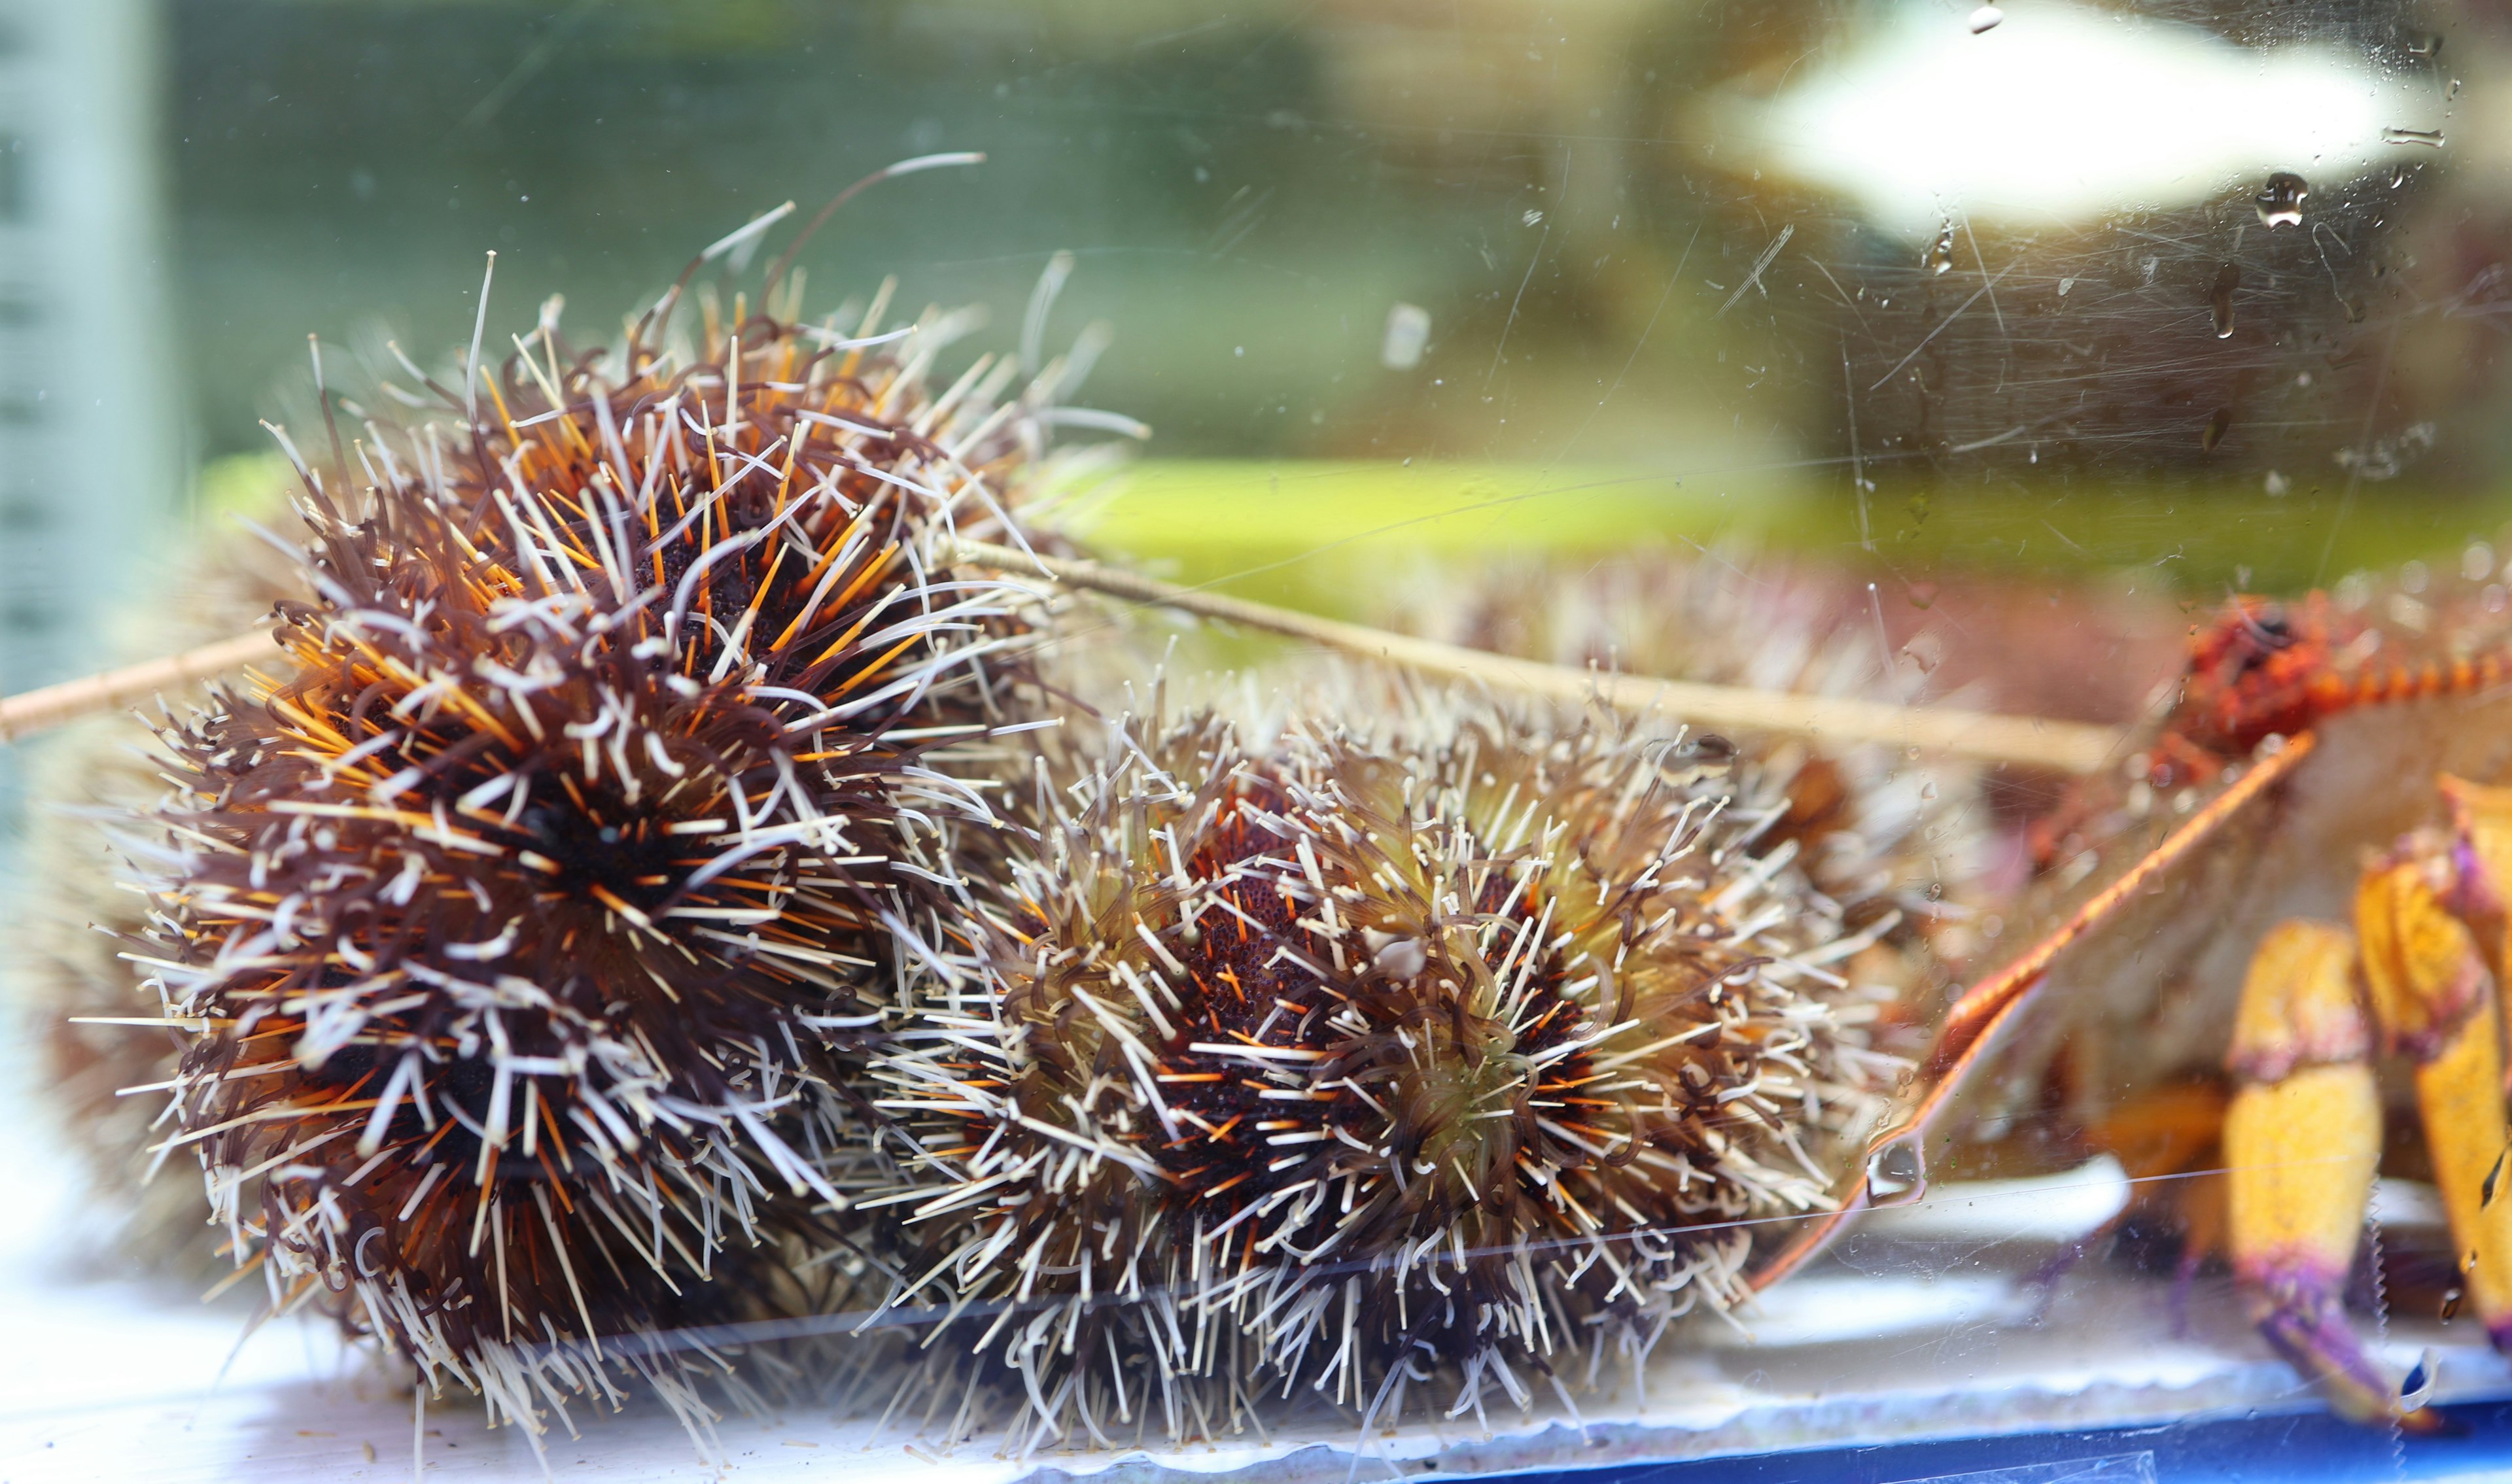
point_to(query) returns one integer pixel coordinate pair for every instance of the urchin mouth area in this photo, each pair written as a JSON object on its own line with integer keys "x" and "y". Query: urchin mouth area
{"x": 1466, "y": 1104}
{"x": 597, "y": 848}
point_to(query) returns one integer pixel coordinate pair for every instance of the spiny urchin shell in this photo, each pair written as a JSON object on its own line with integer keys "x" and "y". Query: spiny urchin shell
{"x": 1356, "y": 1061}
{"x": 524, "y": 934}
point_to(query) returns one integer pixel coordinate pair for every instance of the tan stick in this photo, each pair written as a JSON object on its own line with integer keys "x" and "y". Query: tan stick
{"x": 2068, "y": 746}
{"x": 35, "y": 711}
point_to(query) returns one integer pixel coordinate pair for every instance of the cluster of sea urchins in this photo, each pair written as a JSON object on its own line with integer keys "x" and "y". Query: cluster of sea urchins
{"x": 525, "y": 934}
{"x": 1356, "y": 1061}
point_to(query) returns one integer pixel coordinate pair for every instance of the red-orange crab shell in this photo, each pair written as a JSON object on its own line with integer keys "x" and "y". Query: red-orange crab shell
{"x": 2397, "y": 685}
{"x": 2369, "y": 813}
{"x": 2266, "y": 669}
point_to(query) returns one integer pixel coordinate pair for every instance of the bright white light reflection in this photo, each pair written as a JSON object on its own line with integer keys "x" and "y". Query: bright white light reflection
{"x": 2061, "y": 113}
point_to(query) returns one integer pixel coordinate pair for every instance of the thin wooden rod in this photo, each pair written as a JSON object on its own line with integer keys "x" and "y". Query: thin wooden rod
{"x": 33, "y": 711}
{"x": 2068, "y": 746}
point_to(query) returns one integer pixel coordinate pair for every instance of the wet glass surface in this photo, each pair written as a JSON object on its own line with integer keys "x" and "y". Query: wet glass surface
{"x": 1974, "y": 359}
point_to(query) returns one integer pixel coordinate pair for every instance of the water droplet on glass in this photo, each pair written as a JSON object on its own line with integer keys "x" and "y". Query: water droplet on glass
{"x": 2431, "y": 138}
{"x": 2450, "y": 1305}
{"x": 2213, "y": 434}
{"x": 2280, "y": 202}
{"x": 1409, "y": 331}
{"x": 1928, "y": 790}
{"x": 1940, "y": 258}
{"x": 1923, "y": 594}
{"x": 2495, "y": 1176}
{"x": 1896, "y": 1172}
{"x": 1985, "y": 19}
{"x": 2420, "y": 1384}
{"x": 2469, "y": 1264}
{"x": 2220, "y": 299}
{"x": 2353, "y": 306}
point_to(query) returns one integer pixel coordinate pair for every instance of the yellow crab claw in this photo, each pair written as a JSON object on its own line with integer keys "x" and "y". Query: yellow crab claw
{"x": 2436, "y": 1002}
{"x": 2301, "y": 1140}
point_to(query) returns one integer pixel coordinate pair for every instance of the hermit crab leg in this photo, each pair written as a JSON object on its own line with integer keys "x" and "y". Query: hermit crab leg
{"x": 2302, "y": 1138}
{"x": 1895, "y": 1157}
{"x": 2430, "y": 989}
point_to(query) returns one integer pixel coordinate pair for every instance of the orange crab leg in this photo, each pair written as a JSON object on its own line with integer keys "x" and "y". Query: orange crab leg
{"x": 1958, "y": 1045}
{"x": 2436, "y": 1001}
{"x": 2302, "y": 1138}
{"x": 1971, "y": 1026}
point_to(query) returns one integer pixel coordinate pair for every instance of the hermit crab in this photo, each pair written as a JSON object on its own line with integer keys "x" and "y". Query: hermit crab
{"x": 2318, "y": 844}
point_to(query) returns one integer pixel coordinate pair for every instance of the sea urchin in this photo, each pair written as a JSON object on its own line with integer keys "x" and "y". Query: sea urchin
{"x": 1357, "y": 1061}
{"x": 523, "y": 934}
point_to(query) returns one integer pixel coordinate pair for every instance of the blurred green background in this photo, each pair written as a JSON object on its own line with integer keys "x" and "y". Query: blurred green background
{"x": 1249, "y": 191}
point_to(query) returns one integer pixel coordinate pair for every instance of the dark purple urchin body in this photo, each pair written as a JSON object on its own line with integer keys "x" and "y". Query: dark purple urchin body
{"x": 1450, "y": 1052}
{"x": 527, "y": 935}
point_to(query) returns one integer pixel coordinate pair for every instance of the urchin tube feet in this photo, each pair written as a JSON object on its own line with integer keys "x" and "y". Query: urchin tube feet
{"x": 2437, "y": 1005}
{"x": 2302, "y": 1137}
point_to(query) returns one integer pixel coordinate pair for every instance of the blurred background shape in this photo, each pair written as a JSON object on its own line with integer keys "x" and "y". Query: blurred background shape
{"x": 2071, "y": 113}
{"x": 93, "y": 403}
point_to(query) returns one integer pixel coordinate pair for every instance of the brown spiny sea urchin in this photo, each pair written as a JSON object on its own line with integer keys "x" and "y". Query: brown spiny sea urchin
{"x": 523, "y": 936}
{"x": 1360, "y": 1060}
